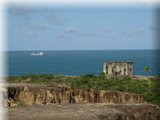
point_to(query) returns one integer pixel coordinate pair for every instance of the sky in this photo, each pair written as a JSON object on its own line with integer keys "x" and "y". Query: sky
{"x": 79, "y": 28}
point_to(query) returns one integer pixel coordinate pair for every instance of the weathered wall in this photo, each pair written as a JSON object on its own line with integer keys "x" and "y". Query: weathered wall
{"x": 120, "y": 68}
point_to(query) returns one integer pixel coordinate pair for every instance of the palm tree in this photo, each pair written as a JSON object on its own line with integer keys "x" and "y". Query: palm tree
{"x": 147, "y": 69}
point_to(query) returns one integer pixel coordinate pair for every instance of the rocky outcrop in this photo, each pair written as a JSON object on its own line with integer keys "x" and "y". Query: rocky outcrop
{"x": 132, "y": 112}
{"x": 29, "y": 95}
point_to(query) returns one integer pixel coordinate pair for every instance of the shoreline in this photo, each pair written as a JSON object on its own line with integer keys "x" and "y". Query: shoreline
{"x": 143, "y": 76}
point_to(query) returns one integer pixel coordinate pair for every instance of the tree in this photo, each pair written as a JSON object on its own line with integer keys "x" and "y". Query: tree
{"x": 147, "y": 69}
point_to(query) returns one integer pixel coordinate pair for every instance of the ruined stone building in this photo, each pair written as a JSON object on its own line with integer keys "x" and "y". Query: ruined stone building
{"x": 118, "y": 68}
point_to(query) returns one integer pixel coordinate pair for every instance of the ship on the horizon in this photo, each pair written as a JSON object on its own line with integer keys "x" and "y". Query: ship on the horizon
{"x": 36, "y": 54}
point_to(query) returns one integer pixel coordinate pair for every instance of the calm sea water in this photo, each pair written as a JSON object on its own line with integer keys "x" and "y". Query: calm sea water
{"x": 80, "y": 62}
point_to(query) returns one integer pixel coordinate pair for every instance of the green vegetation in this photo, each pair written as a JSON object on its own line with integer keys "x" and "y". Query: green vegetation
{"x": 147, "y": 69}
{"x": 148, "y": 88}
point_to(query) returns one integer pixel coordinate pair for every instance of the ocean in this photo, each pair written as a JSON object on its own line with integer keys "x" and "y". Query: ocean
{"x": 79, "y": 62}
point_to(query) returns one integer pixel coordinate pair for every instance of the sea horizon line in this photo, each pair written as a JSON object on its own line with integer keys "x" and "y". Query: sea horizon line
{"x": 81, "y": 50}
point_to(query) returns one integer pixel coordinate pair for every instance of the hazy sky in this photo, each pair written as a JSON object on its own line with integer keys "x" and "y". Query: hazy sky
{"x": 58, "y": 28}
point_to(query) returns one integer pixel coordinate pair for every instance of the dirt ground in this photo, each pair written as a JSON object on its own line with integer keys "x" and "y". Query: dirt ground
{"x": 59, "y": 112}
{"x": 75, "y": 112}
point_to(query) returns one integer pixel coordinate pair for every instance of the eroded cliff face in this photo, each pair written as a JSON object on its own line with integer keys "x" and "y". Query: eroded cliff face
{"x": 49, "y": 95}
{"x": 110, "y": 105}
